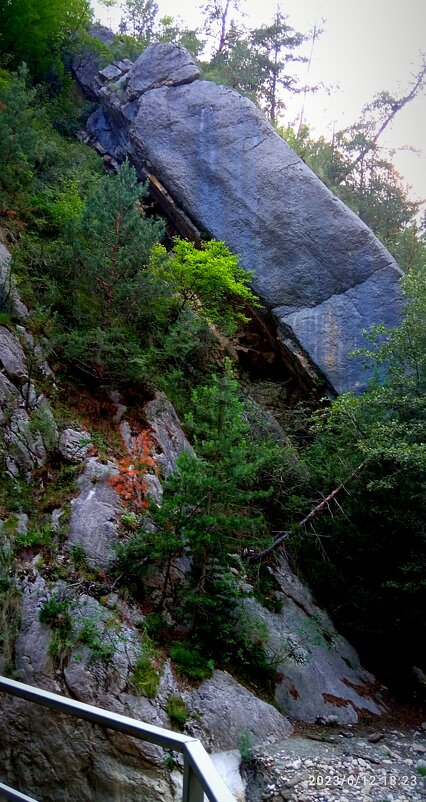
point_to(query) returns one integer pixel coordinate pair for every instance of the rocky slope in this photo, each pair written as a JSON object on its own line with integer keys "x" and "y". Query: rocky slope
{"x": 96, "y": 657}
{"x": 341, "y": 766}
{"x": 218, "y": 167}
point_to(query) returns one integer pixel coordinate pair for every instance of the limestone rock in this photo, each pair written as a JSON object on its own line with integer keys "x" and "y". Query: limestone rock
{"x": 9, "y": 397}
{"x": 320, "y": 673}
{"x": 168, "y": 433}
{"x": 74, "y": 445}
{"x": 32, "y": 647}
{"x": 12, "y": 357}
{"x": 9, "y": 296}
{"x": 110, "y": 72}
{"x": 161, "y": 65}
{"x": 315, "y": 264}
{"x": 90, "y": 763}
{"x": 230, "y": 711}
{"x": 36, "y": 351}
{"x": 96, "y": 513}
{"x": 25, "y": 447}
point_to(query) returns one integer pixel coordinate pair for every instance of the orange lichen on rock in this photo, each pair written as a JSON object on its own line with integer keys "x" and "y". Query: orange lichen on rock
{"x": 130, "y": 482}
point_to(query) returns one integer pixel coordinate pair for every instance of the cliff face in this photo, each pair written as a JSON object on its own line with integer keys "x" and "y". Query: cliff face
{"x": 319, "y": 270}
{"x": 318, "y": 673}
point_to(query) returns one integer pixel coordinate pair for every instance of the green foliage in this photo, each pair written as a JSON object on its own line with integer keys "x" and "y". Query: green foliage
{"x": 177, "y": 711}
{"x": 173, "y": 30}
{"x": 138, "y": 20}
{"x": 70, "y": 630}
{"x": 19, "y": 142}
{"x": 211, "y": 513}
{"x": 245, "y": 745}
{"x": 276, "y": 45}
{"x": 55, "y": 612}
{"x": 89, "y": 635}
{"x": 379, "y": 538}
{"x": 38, "y": 31}
{"x": 210, "y": 275}
{"x": 190, "y": 662}
{"x": 146, "y": 677}
{"x": 78, "y": 555}
{"x": 100, "y": 266}
{"x": 42, "y": 538}
{"x": 140, "y": 25}
{"x": 255, "y": 62}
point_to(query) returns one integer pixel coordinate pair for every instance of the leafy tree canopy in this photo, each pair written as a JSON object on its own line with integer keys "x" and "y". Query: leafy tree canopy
{"x": 37, "y": 31}
{"x": 210, "y": 275}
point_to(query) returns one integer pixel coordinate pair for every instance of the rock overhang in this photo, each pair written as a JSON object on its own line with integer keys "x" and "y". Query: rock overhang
{"x": 315, "y": 265}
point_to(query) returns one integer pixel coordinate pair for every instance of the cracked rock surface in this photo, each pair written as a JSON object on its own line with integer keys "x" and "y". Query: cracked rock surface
{"x": 315, "y": 264}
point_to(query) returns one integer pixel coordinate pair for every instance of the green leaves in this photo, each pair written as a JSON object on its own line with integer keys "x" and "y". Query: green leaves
{"x": 19, "y": 140}
{"x": 211, "y": 276}
{"x": 210, "y": 513}
{"x": 37, "y": 31}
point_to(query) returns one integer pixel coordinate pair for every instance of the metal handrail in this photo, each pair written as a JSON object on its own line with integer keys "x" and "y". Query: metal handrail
{"x": 200, "y": 776}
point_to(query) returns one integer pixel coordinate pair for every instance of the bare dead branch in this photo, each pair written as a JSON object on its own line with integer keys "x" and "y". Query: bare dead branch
{"x": 396, "y": 106}
{"x": 324, "y": 504}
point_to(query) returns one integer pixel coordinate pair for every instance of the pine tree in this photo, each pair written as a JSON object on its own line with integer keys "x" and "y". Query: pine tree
{"x": 111, "y": 301}
{"x": 211, "y": 507}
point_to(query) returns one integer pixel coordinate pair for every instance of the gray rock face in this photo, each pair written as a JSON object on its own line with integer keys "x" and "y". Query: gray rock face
{"x": 161, "y": 65}
{"x": 168, "y": 433}
{"x": 96, "y": 513}
{"x": 89, "y": 763}
{"x": 74, "y": 445}
{"x": 315, "y": 264}
{"x": 87, "y": 63}
{"x": 9, "y": 296}
{"x": 28, "y": 427}
{"x": 25, "y": 446}
{"x": 12, "y": 357}
{"x": 229, "y": 711}
{"x": 320, "y": 673}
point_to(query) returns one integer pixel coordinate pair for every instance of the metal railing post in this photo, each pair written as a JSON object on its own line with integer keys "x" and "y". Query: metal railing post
{"x": 192, "y": 788}
{"x": 200, "y": 775}
{"x": 201, "y": 765}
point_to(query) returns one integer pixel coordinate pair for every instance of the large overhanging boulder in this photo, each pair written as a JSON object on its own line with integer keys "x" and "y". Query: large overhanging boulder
{"x": 316, "y": 266}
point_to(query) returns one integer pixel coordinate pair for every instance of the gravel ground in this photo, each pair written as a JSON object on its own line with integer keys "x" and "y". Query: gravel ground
{"x": 382, "y": 766}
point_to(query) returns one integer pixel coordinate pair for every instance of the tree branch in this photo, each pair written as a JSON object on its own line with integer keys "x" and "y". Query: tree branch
{"x": 260, "y": 555}
{"x": 396, "y": 106}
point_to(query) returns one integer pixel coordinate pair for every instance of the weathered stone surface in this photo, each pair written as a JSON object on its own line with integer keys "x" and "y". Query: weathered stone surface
{"x": 86, "y": 64}
{"x": 57, "y": 757}
{"x": 161, "y": 65}
{"x": 96, "y": 513}
{"x": 74, "y": 444}
{"x": 9, "y": 296}
{"x": 168, "y": 433}
{"x": 229, "y": 711}
{"x": 9, "y": 398}
{"x": 320, "y": 673}
{"x": 25, "y": 447}
{"x": 12, "y": 357}
{"x": 315, "y": 264}
{"x": 35, "y": 350}
{"x": 228, "y": 765}
{"x": 110, "y": 72}
{"x": 31, "y": 652}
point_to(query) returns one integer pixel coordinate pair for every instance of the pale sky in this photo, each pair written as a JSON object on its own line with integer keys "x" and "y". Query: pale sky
{"x": 367, "y": 46}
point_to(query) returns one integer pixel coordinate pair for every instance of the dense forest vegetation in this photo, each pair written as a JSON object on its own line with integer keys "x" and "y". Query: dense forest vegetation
{"x": 115, "y": 304}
